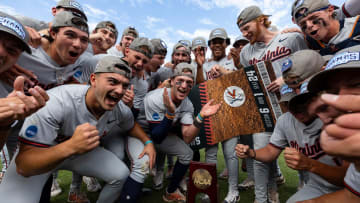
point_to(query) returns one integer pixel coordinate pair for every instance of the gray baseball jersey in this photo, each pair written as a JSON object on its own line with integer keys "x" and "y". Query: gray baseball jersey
{"x": 155, "y": 109}
{"x": 55, "y": 123}
{"x": 351, "y": 180}
{"x": 347, "y": 29}
{"x": 33, "y": 23}
{"x": 279, "y": 48}
{"x": 65, "y": 110}
{"x": 289, "y": 132}
{"x": 224, "y": 62}
{"x": 113, "y": 51}
{"x": 50, "y": 74}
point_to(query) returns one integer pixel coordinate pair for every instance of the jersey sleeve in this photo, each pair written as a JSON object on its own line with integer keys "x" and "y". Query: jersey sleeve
{"x": 299, "y": 42}
{"x": 154, "y": 112}
{"x": 243, "y": 59}
{"x": 41, "y": 128}
{"x": 352, "y": 180}
{"x": 278, "y": 138}
{"x": 187, "y": 117}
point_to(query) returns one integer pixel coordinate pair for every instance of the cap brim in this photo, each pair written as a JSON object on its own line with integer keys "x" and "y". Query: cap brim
{"x": 320, "y": 81}
{"x": 26, "y": 47}
{"x": 301, "y": 98}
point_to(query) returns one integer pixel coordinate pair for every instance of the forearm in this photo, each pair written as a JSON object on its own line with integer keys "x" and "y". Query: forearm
{"x": 199, "y": 75}
{"x": 160, "y": 130}
{"x": 333, "y": 174}
{"x": 343, "y": 195}
{"x": 35, "y": 160}
{"x": 3, "y": 137}
{"x": 139, "y": 133}
{"x": 189, "y": 133}
{"x": 266, "y": 154}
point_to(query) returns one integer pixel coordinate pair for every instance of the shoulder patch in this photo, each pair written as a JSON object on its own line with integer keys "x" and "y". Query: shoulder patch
{"x": 31, "y": 131}
{"x": 156, "y": 116}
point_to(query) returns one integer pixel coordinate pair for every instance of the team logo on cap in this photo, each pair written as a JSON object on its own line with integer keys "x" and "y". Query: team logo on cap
{"x": 285, "y": 89}
{"x": 218, "y": 32}
{"x": 76, "y": 5}
{"x": 343, "y": 58}
{"x": 299, "y": 3}
{"x": 31, "y": 131}
{"x": 303, "y": 87}
{"x": 14, "y": 26}
{"x": 163, "y": 44}
{"x": 198, "y": 42}
{"x": 234, "y": 96}
{"x": 286, "y": 65}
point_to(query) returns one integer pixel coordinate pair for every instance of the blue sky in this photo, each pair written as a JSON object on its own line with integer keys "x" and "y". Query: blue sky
{"x": 170, "y": 20}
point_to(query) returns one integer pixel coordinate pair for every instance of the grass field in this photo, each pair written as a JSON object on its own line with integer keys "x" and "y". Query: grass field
{"x": 285, "y": 191}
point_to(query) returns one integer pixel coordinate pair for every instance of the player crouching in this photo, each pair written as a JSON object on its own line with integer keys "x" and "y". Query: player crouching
{"x": 169, "y": 109}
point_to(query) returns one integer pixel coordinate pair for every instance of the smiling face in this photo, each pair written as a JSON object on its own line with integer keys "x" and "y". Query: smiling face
{"x": 136, "y": 60}
{"x": 126, "y": 40}
{"x": 10, "y": 50}
{"x": 180, "y": 88}
{"x": 251, "y": 31}
{"x": 109, "y": 39}
{"x": 108, "y": 89}
{"x": 318, "y": 25}
{"x": 69, "y": 43}
{"x": 180, "y": 56}
{"x": 155, "y": 62}
{"x": 218, "y": 48}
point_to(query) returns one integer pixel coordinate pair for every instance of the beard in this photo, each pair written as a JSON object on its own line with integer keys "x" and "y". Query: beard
{"x": 256, "y": 33}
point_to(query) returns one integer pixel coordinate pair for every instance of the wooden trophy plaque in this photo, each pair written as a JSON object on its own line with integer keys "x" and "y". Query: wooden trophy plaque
{"x": 247, "y": 106}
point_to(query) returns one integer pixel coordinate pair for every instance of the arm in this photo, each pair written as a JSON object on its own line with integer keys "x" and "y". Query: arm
{"x": 200, "y": 60}
{"x": 4, "y": 133}
{"x": 343, "y": 195}
{"x": 149, "y": 148}
{"x": 33, "y": 160}
{"x": 190, "y": 131}
{"x": 298, "y": 161}
{"x": 266, "y": 154}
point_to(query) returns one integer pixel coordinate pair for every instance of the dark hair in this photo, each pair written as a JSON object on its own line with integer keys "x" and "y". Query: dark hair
{"x": 48, "y": 37}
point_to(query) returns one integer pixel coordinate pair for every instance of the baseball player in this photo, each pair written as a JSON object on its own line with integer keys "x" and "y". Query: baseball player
{"x": 340, "y": 77}
{"x": 323, "y": 30}
{"x": 102, "y": 38}
{"x": 69, "y": 136}
{"x": 36, "y": 28}
{"x": 168, "y": 109}
{"x": 198, "y": 47}
{"x": 265, "y": 45}
{"x": 16, "y": 105}
{"x": 160, "y": 51}
{"x": 218, "y": 41}
{"x": 129, "y": 34}
{"x": 298, "y": 134}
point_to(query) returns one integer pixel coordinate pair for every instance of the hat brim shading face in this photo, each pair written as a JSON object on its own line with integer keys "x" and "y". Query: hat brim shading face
{"x": 322, "y": 80}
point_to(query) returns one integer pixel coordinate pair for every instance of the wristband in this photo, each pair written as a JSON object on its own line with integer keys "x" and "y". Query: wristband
{"x": 197, "y": 123}
{"x": 169, "y": 116}
{"x": 201, "y": 118}
{"x": 148, "y": 142}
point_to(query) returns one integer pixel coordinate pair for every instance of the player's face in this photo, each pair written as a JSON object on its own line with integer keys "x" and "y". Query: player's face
{"x": 155, "y": 62}
{"x": 200, "y": 50}
{"x": 251, "y": 31}
{"x": 316, "y": 25}
{"x": 180, "y": 56}
{"x": 69, "y": 43}
{"x": 109, "y": 88}
{"x": 325, "y": 112}
{"x": 218, "y": 48}
{"x": 10, "y": 50}
{"x": 109, "y": 39}
{"x": 240, "y": 45}
{"x": 181, "y": 86}
{"x": 137, "y": 61}
{"x": 126, "y": 41}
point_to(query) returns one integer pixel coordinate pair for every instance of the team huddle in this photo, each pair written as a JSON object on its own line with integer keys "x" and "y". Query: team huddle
{"x": 71, "y": 97}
